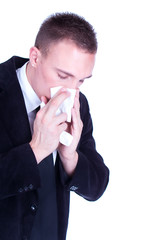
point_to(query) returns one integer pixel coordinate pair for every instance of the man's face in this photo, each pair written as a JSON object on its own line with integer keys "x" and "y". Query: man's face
{"x": 65, "y": 65}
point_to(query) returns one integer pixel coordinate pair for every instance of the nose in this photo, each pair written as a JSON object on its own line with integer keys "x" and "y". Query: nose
{"x": 73, "y": 84}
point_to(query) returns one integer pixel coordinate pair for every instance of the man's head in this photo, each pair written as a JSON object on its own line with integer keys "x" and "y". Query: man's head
{"x": 66, "y": 26}
{"x": 63, "y": 55}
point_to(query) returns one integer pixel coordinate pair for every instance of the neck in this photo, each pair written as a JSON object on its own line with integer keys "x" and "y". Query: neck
{"x": 30, "y": 72}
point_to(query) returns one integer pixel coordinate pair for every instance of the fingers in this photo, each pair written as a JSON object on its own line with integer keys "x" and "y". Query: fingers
{"x": 61, "y": 118}
{"x": 48, "y": 126}
{"x": 76, "y": 106}
{"x": 76, "y": 118}
{"x": 44, "y": 99}
{"x": 53, "y": 104}
{"x": 62, "y": 127}
{"x": 47, "y": 115}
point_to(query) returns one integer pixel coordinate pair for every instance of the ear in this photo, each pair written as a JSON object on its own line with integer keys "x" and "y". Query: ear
{"x": 34, "y": 56}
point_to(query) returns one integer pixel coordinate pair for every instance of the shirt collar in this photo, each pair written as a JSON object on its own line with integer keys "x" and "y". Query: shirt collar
{"x": 31, "y": 99}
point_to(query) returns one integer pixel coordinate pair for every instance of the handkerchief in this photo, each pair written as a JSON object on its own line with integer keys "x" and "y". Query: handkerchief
{"x": 67, "y": 105}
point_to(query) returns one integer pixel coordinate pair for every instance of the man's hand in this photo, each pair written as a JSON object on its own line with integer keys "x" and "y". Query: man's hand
{"x": 48, "y": 127}
{"x": 68, "y": 155}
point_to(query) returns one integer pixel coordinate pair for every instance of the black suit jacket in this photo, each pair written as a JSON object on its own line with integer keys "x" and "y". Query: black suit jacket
{"x": 19, "y": 175}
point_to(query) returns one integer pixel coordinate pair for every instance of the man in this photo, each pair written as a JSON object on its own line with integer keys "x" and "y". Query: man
{"x": 34, "y": 192}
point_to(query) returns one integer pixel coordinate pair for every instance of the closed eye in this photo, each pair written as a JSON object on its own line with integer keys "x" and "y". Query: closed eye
{"x": 81, "y": 81}
{"x": 62, "y": 77}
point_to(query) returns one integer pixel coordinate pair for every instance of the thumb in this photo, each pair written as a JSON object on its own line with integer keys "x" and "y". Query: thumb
{"x": 44, "y": 99}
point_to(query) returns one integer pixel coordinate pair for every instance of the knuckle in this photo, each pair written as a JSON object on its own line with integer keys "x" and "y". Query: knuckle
{"x": 44, "y": 121}
{"x": 55, "y": 103}
{"x": 62, "y": 128}
{"x": 62, "y": 117}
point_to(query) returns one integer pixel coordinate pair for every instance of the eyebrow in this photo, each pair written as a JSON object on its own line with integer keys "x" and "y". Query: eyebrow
{"x": 67, "y": 73}
{"x": 70, "y": 74}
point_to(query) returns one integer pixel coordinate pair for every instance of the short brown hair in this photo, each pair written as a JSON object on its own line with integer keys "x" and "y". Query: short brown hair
{"x": 69, "y": 26}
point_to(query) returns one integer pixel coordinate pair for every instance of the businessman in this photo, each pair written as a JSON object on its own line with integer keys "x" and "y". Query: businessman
{"x": 37, "y": 171}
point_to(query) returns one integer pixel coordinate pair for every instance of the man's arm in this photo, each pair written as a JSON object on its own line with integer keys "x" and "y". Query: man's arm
{"x": 91, "y": 176}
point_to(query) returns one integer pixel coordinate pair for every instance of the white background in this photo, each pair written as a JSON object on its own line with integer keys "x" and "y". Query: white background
{"x": 125, "y": 106}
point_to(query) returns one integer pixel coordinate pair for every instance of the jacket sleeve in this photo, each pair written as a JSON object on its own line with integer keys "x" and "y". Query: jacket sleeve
{"x": 91, "y": 176}
{"x": 18, "y": 171}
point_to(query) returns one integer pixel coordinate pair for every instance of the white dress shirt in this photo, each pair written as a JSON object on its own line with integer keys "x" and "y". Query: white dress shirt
{"x": 31, "y": 99}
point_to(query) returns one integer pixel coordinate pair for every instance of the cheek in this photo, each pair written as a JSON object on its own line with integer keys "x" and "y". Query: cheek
{"x": 48, "y": 77}
{"x": 45, "y": 82}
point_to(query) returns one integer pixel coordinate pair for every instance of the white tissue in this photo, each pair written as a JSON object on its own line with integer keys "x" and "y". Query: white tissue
{"x": 66, "y": 107}
{"x": 66, "y": 138}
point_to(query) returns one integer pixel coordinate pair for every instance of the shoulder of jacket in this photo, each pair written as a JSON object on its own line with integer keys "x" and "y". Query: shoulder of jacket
{"x": 8, "y": 70}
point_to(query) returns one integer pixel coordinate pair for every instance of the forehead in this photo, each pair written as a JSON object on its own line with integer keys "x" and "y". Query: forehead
{"x": 67, "y": 46}
{"x": 67, "y": 56}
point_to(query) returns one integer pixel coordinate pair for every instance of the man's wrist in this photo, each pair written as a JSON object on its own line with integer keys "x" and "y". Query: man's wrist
{"x": 70, "y": 163}
{"x": 37, "y": 157}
